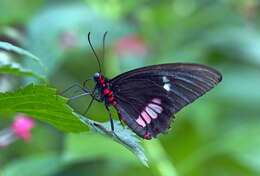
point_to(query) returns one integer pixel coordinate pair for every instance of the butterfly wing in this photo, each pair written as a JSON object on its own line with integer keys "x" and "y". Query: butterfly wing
{"x": 148, "y": 97}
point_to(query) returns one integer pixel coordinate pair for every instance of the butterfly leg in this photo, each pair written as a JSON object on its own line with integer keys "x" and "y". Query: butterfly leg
{"x": 77, "y": 96}
{"x": 85, "y": 82}
{"x": 74, "y": 96}
{"x": 96, "y": 97}
{"x": 70, "y": 87}
{"x": 86, "y": 90}
{"x": 111, "y": 119}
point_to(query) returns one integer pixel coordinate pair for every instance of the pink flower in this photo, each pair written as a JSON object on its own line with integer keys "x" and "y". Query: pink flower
{"x": 22, "y": 126}
{"x": 69, "y": 39}
{"x": 131, "y": 45}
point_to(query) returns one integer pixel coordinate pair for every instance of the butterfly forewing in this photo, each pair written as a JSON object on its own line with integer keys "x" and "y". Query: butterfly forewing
{"x": 149, "y": 96}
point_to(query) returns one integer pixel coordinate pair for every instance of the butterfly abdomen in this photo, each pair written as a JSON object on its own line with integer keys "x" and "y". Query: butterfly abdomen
{"x": 105, "y": 91}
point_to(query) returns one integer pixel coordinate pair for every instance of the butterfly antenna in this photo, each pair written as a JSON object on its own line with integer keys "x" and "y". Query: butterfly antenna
{"x": 94, "y": 52}
{"x": 103, "y": 55}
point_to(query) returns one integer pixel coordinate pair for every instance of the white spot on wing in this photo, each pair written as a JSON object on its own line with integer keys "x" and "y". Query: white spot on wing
{"x": 167, "y": 87}
{"x": 156, "y": 108}
{"x": 151, "y": 113}
{"x": 165, "y": 79}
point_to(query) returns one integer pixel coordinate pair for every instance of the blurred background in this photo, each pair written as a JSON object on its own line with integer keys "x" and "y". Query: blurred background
{"x": 216, "y": 135}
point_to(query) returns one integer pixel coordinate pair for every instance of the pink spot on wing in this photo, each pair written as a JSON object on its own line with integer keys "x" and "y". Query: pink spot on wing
{"x": 151, "y": 113}
{"x": 22, "y": 126}
{"x": 146, "y": 117}
{"x": 156, "y": 108}
{"x": 140, "y": 121}
{"x": 157, "y": 100}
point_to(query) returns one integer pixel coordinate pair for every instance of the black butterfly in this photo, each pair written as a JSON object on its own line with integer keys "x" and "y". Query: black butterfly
{"x": 147, "y": 98}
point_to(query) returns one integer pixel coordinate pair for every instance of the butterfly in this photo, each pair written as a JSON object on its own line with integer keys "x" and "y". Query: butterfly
{"x": 147, "y": 98}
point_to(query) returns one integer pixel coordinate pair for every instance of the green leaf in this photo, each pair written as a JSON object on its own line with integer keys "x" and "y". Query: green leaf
{"x": 121, "y": 135}
{"x": 42, "y": 103}
{"x": 40, "y": 165}
{"x": 17, "y": 70}
{"x": 10, "y": 47}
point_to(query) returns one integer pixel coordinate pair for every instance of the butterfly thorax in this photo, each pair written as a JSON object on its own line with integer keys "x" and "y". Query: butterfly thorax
{"x": 104, "y": 91}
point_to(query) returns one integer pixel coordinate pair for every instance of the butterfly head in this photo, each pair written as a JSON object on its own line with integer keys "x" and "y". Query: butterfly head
{"x": 100, "y": 79}
{"x": 96, "y": 76}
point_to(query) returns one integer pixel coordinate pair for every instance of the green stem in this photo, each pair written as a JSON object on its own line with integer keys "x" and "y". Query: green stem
{"x": 160, "y": 159}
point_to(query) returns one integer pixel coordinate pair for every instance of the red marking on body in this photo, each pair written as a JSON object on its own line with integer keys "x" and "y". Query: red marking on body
{"x": 114, "y": 103}
{"x": 99, "y": 77}
{"x": 110, "y": 99}
{"x": 102, "y": 81}
{"x": 147, "y": 135}
{"x": 106, "y": 91}
{"x": 124, "y": 119}
{"x": 110, "y": 93}
{"x": 118, "y": 112}
{"x": 104, "y": 85}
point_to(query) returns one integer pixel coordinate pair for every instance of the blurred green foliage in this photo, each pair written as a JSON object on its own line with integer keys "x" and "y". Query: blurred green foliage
{"x": 216, "y": 135}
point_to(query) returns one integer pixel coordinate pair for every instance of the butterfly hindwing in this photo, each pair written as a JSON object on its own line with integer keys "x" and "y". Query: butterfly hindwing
{"x": 149, "y": 96}
{"x": 142, "y": 108}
